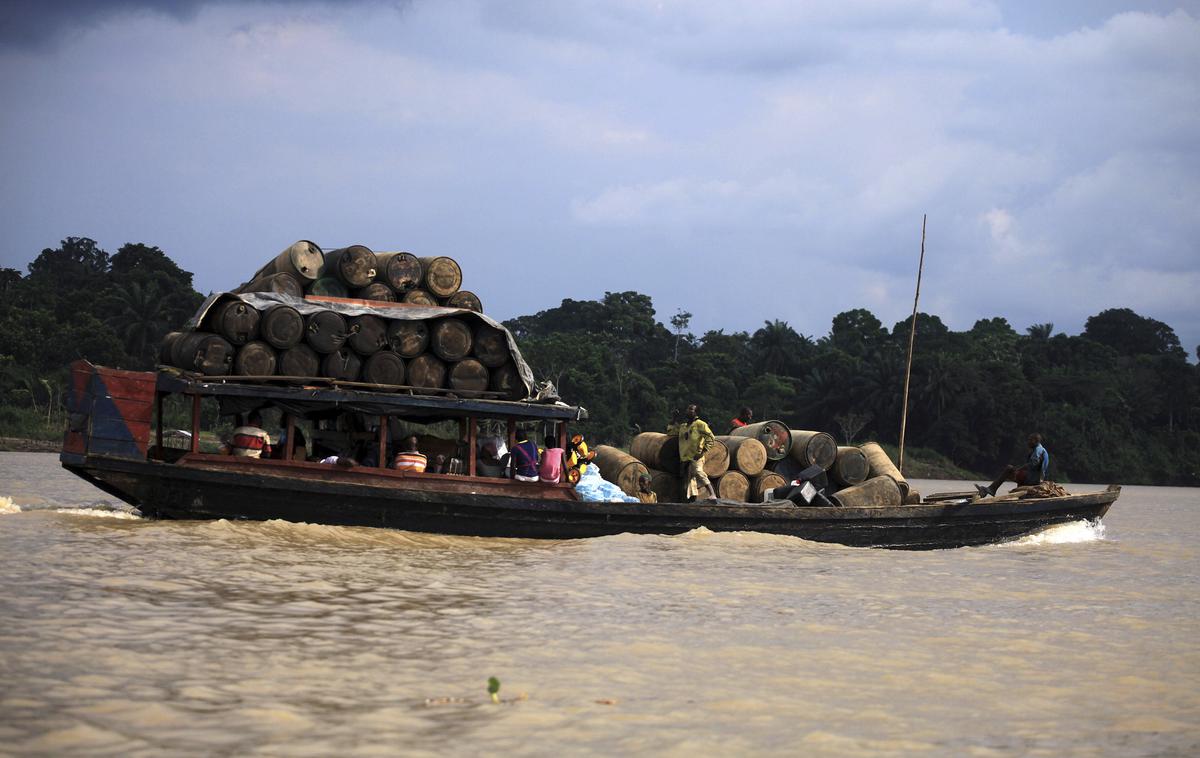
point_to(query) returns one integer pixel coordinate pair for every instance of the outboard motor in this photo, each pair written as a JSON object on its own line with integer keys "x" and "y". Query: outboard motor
{"x": 808, "y": 488}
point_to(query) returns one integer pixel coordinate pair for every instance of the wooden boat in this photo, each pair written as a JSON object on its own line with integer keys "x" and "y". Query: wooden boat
{"x": 113, "y": 415}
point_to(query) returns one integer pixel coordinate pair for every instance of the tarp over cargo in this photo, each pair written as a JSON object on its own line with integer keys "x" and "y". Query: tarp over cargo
{"x": 386, "y": 311}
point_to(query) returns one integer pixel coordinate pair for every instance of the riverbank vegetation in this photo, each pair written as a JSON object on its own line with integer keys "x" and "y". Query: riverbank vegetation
{"x": 1117, "y": 402}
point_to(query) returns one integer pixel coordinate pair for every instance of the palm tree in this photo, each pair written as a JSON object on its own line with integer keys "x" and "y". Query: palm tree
{"x": 138, "y": 317}
{"x": 1040, "y": 332}
{"x": 878, "y": 386}
{"x": 942, "y": 383}
{"x": 778, "y": 347}
{"x": 822, "y": 394}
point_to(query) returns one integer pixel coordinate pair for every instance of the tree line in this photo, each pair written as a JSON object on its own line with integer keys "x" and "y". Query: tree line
{"x": 1117, "y": 402}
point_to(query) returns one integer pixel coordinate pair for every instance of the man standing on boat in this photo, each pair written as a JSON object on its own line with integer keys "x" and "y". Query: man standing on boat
{"x": 1031, "y": 473}
{"x": 695, "y": 438}
{"x": 744, "y": 417}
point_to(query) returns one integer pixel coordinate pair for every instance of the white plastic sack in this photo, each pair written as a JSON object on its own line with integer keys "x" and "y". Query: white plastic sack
{"x": 595, "y": 489}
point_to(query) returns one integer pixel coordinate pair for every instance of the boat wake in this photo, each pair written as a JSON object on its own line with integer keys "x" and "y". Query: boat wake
{"x": 100, "y": 512}
{"x": 1063, "y": 534}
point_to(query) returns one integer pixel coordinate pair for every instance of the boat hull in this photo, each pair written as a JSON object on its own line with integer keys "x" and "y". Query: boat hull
{"x": 303, "y": 492}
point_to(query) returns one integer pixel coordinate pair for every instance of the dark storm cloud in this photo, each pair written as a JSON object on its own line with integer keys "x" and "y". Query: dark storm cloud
{"x": 33, "y": 23}
{"x": 37, "y": 23}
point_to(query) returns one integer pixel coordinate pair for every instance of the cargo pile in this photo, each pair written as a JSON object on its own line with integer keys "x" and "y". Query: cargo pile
{"x": 755, "y": 459}
{"x": 355, "y": 317}
{"x": 358, "y": 272}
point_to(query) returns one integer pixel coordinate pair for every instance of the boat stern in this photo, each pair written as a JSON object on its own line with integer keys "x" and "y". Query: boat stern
{"x": 109, "y": 412}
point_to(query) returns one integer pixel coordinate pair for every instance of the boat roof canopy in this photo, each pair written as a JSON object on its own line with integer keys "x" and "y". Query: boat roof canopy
{"x": 305, "y": 401}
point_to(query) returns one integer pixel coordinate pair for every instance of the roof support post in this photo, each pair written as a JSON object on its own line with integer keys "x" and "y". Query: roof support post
{"x": 195, "y": 423}
{"x": 291, "y": 437}
{"x": 383, "y": 428}
{"x": 158, "y": 411}
{"x": 472, "y": 433}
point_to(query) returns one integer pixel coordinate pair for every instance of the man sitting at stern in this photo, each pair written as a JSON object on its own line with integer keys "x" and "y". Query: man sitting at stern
{"x": 1027, "y": 475}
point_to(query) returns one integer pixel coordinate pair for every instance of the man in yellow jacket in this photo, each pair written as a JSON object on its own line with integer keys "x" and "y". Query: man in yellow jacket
{"x": 695, "y": 438}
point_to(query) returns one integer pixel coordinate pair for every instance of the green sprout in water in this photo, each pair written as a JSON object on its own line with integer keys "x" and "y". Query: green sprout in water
{"x": 494, "y": 688}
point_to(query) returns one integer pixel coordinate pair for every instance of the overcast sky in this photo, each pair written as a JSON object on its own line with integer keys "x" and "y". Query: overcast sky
{"x": 742, "y": 161}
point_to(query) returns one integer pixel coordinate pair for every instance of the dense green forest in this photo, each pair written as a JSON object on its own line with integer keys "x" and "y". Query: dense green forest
{"x": 1119, "y": 402}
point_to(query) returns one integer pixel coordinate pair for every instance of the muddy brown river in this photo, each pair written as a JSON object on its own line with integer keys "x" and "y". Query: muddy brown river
{"x": 125, "y": 636}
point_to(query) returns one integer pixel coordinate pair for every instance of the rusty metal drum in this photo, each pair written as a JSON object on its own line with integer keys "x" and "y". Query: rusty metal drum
{"x": 419, "y": 297}
{"x": 368, "y": 334}
{"x": 325, "y": 331}
{"x": 234, "y": 320}
{"x": 255, "y": 358}
{"x": 302, "y": 260}
{"x": 774, "y": 436}
{"x": 427, "y": 371}
{"x": 490, "y": 346}
{"x": 354, "y": 266}
{"x": 469, "y": 374}
{"x": 443, "y": 276}
{"x": 328, "y": 286}
{"x": 202, "y": 352}
{"x": 465, "y": 299}
{"x": 282, "y": 284}
{"x": 343, "y": 364}
{"x": 281, "y": 326}
{"x": 400, "y": 271}
{"x": 301, "y": 361}
{"x": 408, "y": 338}
{"x": 377, "y": 291}
{"x": 384, "y": 367}
{"x": 450, "y": 339}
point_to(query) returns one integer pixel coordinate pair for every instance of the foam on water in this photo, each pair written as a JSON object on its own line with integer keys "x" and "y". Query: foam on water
{"x": 8, "y": 506}
{"x": 1064, "y": 534}
{"x": 99, "y": 512}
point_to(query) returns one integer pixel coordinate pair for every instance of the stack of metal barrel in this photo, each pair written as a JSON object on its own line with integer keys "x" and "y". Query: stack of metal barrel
{"x": 756, "y": 459}
{"x": 358, "y": 272}
{"x": 284, "y": 336}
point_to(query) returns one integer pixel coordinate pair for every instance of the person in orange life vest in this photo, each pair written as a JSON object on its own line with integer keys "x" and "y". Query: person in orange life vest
{"x": 410, "y": 459}
{"x": 578, "y": 457}
{"x": 551, "y": 467}
{"x": 251, "y": 440}
{"x": 525, "y": 460}
{"x": 744, "y": 417}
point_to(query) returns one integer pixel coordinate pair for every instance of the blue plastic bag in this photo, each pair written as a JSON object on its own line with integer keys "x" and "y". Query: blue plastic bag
{"x": 595, "y": 489}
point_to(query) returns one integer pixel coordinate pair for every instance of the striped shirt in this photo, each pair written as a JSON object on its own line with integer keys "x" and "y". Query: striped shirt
{"x": 411, "y": 462}
{"x": 250, "y": 442}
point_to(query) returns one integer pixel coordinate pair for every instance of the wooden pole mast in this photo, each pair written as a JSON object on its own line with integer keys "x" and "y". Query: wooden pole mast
{"x": 912, "y": 337}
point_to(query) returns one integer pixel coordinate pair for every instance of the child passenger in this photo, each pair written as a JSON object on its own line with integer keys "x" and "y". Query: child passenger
{"x": 550, "y": 469}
